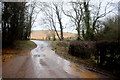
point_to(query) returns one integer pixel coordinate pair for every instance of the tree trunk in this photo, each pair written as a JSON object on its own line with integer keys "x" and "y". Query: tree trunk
{"x": 61, "y": 27}
{"x": 78, "y": 30}
{"x": 56, "y": 30}
{"x": 60, "y": 22}
{"x": 87, "y": 23}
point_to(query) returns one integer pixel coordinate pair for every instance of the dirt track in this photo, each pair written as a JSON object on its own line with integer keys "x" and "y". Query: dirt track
{"x": 44, "y": 63}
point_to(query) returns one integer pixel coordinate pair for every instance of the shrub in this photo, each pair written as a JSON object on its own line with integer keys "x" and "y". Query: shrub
{"x": 63, "y": 44}
{"x": 108, "y": 51}
{"x": 83, "y": 49}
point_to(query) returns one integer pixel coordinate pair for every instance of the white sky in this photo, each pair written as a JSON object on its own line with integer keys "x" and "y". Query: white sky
{"x": 65, "y": 20}
{"x": 37, "y": 25}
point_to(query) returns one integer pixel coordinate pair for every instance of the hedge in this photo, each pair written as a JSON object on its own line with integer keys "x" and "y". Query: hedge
{"x": 106, "y": 52}
{"x": 82, "y": 49}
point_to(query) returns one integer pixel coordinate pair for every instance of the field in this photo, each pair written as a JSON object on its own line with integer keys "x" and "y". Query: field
{"x": 43, "y": 34}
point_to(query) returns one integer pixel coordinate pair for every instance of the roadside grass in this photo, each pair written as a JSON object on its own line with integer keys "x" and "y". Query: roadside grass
{"x": 20, "y": 48}
{"x": 24, "y": 45}
{"x": 89, "y": 64}
{"x": 63, "y": 52}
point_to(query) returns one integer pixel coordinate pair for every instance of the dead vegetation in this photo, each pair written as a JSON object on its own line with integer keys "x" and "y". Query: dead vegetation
{"x": 46, "y": 34}
{"x": 19, "y": 48}
{"x": 88, "y": 53}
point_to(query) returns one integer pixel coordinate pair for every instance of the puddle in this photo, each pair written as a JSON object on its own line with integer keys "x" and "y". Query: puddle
{"x": 36, "y": 55}
{"x": 65, "y": 65}
{"x": 74, "y": 69}
{"x": 42, "y": 62}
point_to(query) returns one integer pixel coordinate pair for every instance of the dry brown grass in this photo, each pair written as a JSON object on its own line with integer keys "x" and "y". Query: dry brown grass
{"x": 42, "y": 34}
{"x": 21, "y": 48}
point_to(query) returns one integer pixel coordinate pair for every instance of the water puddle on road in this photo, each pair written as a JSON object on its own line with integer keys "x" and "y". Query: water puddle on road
{"x": 74, "y": 69}
{"x": 44, "y": 56}
{"x": 43, "y": 62}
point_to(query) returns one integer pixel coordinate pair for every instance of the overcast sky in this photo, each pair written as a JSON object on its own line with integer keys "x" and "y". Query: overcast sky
{"x": 37, "y": 25}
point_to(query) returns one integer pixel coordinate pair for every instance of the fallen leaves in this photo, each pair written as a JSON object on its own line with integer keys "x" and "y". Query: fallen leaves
{"x": 7, "y": 57}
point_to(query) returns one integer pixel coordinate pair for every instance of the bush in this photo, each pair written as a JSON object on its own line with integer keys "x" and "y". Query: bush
{"x": 63, "y": 44}
{"x": 83, "y": 49}
{"x": 107, "y": 53}
{"x": 110, "y": 30}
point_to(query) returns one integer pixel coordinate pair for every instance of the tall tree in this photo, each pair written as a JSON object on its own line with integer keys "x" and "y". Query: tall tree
{"x": 92, "y": 18}
{"x": 76, "y": 15}
{"x": 58, "y": 11}
{"x": 14, "y": 21}
{"x": 87, "y": 21}
{"x": 49, "y": 16}
{"x": 30, "y": 13}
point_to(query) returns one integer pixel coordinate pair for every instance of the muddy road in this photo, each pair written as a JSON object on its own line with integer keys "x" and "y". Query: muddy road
{"x": 44, "y": 63}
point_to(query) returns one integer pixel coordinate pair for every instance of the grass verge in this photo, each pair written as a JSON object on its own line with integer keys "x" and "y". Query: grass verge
{"x": 20, "y": 48}
{"x": 61, "y": 48}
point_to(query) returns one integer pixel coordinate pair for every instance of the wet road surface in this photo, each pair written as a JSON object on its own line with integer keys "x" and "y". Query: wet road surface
{"x": 44, "y": 63}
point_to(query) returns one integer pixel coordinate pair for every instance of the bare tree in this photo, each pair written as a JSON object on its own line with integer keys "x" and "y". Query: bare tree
{"x": 98, "y": 15}
{"x": 80, "y": 15}
{"x": 31, "y": 8}
{"x": 48, "y": 10}
{"x": 87, "y": 20}
{"x": 58, "y": 12}
{"x": 76, "y": 15}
